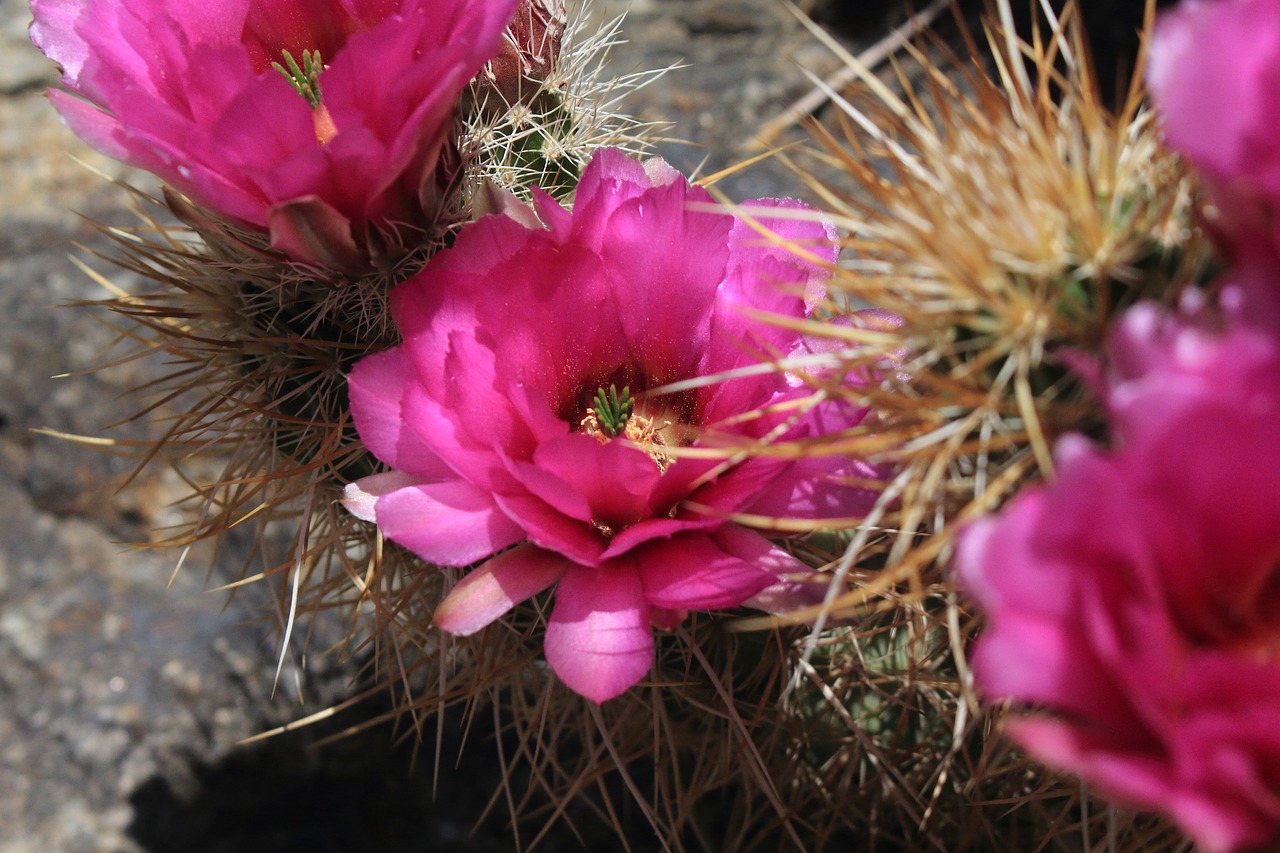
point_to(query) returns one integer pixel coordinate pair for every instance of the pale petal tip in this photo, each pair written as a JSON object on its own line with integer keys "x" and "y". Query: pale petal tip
{"x": 359, "y": 503}
{"x": 361, "y": 497}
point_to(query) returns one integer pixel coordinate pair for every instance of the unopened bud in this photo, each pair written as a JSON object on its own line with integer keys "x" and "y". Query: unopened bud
{"x": 530, "y": 50}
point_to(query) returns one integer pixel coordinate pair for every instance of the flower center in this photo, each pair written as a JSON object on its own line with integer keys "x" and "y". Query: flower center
{"x": 305, "y": 80}
{"x": 613, "y": 414}
{"x": 1256, "y": 626}
{"x": 611, "y": 411}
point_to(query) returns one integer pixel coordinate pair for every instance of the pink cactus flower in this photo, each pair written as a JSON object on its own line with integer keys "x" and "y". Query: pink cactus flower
{"x": 1136, "y": 599}
{"x": 316, "y": 121}
{"x": 527, "y": 423}
{"x": 1214, "y": 75}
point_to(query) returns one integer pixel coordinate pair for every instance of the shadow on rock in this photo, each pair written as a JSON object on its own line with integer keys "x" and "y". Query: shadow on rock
{"x": 360, "y": 792}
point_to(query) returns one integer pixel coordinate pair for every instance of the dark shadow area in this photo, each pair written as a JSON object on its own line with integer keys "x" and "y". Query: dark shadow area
{"x": 307, "y": 791}
{"x": 363, "y": 791}
{"x": 860, "y": 20}
{"x": 1112, "y": 27}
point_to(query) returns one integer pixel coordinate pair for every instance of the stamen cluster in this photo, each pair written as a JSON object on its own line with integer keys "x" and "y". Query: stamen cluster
{"x": 305, "y": 79}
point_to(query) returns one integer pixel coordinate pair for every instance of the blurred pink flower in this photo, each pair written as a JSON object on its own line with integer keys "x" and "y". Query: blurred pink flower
{"x": 1214, "y": 74}
{"x": 188, "y": 91}
{"x": 490, "y": 414}
{"x": 1136, "y": 599}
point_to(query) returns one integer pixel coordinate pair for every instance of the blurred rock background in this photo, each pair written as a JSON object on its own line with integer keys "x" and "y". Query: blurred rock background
{"x": 125, "y": 690}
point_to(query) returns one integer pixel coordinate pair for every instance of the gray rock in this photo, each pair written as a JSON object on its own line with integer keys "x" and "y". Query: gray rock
{"x": 22, "y": 68}
{"x": 110, "y": 677}
{"x": 739, "y": 65}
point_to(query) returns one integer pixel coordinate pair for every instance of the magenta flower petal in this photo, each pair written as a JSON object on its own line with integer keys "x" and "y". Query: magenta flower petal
{"x": 1137, "y": 775}
{"x": 616, "y": 179}
{"x": 656, "y": 528}
{"x": 376, "y": 389}
{"x": 89, "y": 123}
{"x": 361, "y": 497}
{"x": 436, "y": 426}
{"x": 793, "y": 586}
{"x": 690, "y": 572}
{"x": 989, "y": 558}
{"x": 666, "y": 620}
{"x": 1134, "y": 601}
{"x": 1161, "y": 365}
{"x": 549, "y": 212}
{"x": 1026, "y": 655}
{"x": 1142, "y": 780}
{"x": 750, "y": 547}
{"x": 821, "y": 487}
{"x": 599, "y": 638}
{"x": 1212, "y": 71}
{"x": 799, "y": 591}
{"x": 710, "y": 482}
{"x": 616, "y": 481}
{"x": 663, "y": 300}
{"x": 53, "y": 31}
{"x": 497, "y": 585}
{"x": 767, "y": 279}
{"x": 740, "y": 485}
{"x": 552, "y": 491}
{"x": 1214, "y": 76}
{"x": 187, "y": 90}
{"x": 548, "y": 527}
{"x": 549, "y": 357}
{"x": 450, "y": 523}
{"x": 544, "y": 396}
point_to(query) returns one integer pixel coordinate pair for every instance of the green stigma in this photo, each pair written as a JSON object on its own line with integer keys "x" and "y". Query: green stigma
{"x": 305, "y": 79}
{"x": 613, "y": 410}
